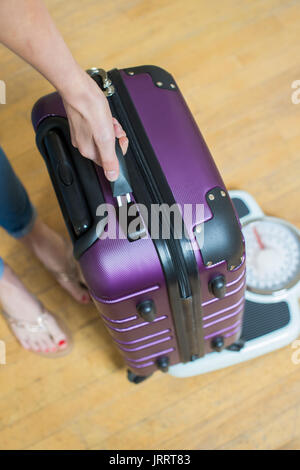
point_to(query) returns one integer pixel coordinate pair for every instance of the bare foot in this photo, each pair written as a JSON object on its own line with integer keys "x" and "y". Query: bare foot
{"x": 56, "y": 255}
{"x": 36, "y": 329}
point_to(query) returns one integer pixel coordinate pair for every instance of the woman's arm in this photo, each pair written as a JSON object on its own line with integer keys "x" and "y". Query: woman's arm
{"x": 28, "y": 30}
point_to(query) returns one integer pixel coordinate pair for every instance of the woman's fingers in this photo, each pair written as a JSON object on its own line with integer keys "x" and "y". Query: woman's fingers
{"x": 100, "y": 149}
{"x": 105, "y": 146}
{"x": 119, "y": 131}
{"x": 123, "y": 141}
{"x": 121, "y": 135}
{"x": 93, "y": 129}
{"x": 104, "y": 138}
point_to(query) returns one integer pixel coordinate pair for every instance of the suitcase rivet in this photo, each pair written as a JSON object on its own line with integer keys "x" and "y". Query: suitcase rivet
{"x": 172, "y": 85}
{"x": 209, "y": 263}
{"x": 223, "y": 194}
{"x": 159, "y": 83}
{"x": 147, "y": 310}
{"x": 130, "y": 73}
{"x": 211, "y": 197}
{"x": 217, "y": 286}
{"x": 198, "y": 229}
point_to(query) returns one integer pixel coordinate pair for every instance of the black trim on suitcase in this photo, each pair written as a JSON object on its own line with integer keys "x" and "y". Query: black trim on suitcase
{"x": 223, "y": 239}
{"x": 160, "y": 77}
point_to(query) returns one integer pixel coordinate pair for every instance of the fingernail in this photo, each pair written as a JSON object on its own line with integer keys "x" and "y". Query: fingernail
{"x": 62, "y": 343}
{"x": 111, "y": 175}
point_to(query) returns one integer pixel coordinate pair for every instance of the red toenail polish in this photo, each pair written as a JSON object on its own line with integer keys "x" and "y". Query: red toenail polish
{"x": 62, "y": 343}
{"x": 84, "y": 298}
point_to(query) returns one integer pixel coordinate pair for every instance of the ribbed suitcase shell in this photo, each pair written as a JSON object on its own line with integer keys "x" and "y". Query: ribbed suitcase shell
{"x": 121, "y": 274}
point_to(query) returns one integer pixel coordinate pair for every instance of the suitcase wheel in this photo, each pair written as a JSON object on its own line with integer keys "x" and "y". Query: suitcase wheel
{"x": 136, "y": 379}
{"x": 237, "y": 346}
{"x": 218, "y": 343}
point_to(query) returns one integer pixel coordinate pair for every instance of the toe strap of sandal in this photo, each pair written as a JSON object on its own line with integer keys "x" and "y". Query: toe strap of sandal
{"x": 33, "y": 327}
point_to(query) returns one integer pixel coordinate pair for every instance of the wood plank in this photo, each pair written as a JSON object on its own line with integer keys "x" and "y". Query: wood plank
{"x": 235, "y": 63}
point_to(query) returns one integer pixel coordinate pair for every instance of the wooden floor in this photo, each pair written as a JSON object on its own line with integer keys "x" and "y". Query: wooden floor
{"x": 235, "y": 62}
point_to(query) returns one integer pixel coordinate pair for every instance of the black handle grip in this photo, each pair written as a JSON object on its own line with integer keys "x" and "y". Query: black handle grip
{"x": 122, "y": 185}
{"x": 67, "y": 185}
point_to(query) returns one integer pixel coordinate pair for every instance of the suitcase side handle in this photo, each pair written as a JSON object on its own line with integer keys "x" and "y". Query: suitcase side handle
{"x": 75, "y": 182}
{"x": 67, "y": 183}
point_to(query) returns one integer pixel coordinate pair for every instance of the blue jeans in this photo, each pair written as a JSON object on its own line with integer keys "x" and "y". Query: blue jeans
{"x": 17, "y": 215}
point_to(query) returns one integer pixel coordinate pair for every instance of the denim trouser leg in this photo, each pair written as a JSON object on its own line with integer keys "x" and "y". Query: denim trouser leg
{"x": 17, "y": 215}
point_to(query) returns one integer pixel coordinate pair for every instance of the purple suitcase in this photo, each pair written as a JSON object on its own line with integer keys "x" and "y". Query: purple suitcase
{"x": 163, "y": 301}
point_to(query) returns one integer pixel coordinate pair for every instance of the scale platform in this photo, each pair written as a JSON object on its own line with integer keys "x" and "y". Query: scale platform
{"x": 272, "y": 314}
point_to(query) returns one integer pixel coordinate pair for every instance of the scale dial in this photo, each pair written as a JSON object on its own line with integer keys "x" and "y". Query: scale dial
{"x": 273, "y": 255}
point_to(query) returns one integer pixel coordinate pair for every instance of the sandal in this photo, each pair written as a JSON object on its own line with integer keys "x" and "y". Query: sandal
{"x": 40, "y": 326}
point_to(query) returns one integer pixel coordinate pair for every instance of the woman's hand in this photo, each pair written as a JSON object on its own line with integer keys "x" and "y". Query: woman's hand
{"x": 93, "y": 129}
{"x": 27, "y": 29}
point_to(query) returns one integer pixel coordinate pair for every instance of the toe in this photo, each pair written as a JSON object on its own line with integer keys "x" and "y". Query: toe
{"x": 35, "y": 346}
{"x": 47, "y": 343}
{"x": 58, "y": 336}
{"x": 24, "y": 344}
{"x": 77, "y": 291}
{"x": 62, "y": 344}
